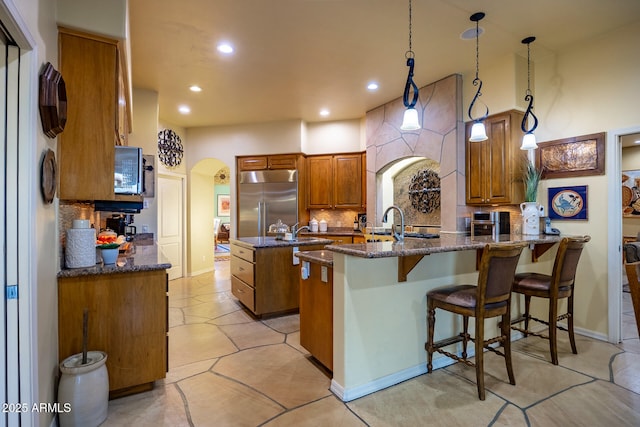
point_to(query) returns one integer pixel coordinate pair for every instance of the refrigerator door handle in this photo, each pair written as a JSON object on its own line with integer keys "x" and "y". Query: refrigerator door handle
{"x": 260, "y": 226}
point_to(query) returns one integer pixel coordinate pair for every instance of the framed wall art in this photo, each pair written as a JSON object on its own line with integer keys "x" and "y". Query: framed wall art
{"x": 570, "y": 157}
{"x": 568, "y": 202}
{"x": 631, "y": 194}
{"x": 224, "y": 205}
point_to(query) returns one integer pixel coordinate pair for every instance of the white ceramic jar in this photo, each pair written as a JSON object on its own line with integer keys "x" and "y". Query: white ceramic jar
{"x": 323, "y": 225}
{"x": 313, "y": 225}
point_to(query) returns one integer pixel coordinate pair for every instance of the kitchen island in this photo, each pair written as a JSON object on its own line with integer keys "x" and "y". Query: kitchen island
{"x": 379, "y": 303}
{"x": 127, "y": 316}
{"x": 264, "y": 272}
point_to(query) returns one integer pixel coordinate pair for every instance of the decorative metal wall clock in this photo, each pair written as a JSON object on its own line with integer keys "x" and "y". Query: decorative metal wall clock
{"x": 170, "y": 148}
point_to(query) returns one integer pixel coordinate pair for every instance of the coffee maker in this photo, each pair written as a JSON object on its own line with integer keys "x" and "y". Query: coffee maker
{"x": 121, "y": 224}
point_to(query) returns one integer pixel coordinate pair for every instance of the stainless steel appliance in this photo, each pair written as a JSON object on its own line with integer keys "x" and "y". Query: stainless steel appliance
{"x": 490, "y": 223}
{"x": 128, "y": 174}
{"x": 264, "y": 197}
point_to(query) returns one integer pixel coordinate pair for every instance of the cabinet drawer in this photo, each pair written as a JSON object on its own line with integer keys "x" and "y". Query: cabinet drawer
{"x": 244, "y": 253}
{"x": 242, "y": 269}
{"x": 244, "y": 292}
{"x": 252, "y": 163}
{"x": 282, "y": 162}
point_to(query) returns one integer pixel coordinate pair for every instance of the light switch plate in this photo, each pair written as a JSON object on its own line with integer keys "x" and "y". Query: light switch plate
{"x": 324, "y": 273}
{"x": 296, "y": 260}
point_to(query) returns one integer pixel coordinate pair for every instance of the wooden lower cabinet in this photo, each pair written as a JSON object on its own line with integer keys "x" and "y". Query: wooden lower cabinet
{"x": 265, "y": 280}
{"x": 316, "y": 314}
{"x": 128, "y": 320}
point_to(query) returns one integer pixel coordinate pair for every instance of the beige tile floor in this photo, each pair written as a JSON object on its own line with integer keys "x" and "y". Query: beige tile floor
{"x": 227, "y": 369}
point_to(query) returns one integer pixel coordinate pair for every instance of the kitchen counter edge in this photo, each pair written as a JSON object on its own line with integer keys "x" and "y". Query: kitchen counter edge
{"x": 445, "y": 243}
{"x": 143, "y": 258}
{"x": 271, "y": 242}
{"x": 317, "y": 257}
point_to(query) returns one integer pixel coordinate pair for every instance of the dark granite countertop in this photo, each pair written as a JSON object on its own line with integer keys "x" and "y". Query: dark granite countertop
{"x": 271, "y": 242}
{"x": 140, "y": 258}
{"x": 317, "y": 257}
{"x": 339, "y": 231}
{"x": 445, "y": 243}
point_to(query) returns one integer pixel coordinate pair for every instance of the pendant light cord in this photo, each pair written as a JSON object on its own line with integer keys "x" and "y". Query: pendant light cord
{"x": 528, "y": 96}
{"x": 410, "y": 84}
{"x": 477, "y": 82}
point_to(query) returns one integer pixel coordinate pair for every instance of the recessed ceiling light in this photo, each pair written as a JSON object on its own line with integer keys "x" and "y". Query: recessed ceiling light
{"x": 195, "y": 88}
{"x": 184, "y": 109}
{"x": 470, "y": 34}
{"x": 225, "y": 48}
{"x": 372, "y": 86}
{"x": 324, "y": 112}
{"x": 636, "y": 142}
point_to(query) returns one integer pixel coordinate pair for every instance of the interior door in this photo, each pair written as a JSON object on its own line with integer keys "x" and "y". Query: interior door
{"x": 171, "y": 222}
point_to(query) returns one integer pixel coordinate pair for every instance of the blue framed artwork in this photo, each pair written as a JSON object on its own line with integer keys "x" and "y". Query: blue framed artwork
{"x": 568, "y": 202}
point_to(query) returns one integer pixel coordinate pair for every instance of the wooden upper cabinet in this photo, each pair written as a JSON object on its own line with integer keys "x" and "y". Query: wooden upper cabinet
{"x": 319, "y": 182}
{"x": 493, "y": 166}
{"x": 335, "y": 181}
{"x": 91, "y": 68}
{"x": 347, "y": 182}
{"x": 278, "y": 161}
{"x": 283, "y": 161}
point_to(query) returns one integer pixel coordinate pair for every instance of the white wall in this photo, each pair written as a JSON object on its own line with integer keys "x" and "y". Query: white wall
{"x": 334, "y": 137}
{"x": 145, "y": 135}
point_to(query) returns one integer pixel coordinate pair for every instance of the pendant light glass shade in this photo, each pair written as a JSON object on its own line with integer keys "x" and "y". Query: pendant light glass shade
{"x": 529, "y": 142}
{"x": 410, "y": 120}
{"x": 478, "y": 132}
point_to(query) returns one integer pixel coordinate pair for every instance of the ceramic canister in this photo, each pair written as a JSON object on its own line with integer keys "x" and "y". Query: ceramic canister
{"x": 80, "y": 248}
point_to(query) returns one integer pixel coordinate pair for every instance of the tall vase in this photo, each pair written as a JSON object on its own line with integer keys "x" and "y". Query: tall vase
{"x": 531, "y": 213}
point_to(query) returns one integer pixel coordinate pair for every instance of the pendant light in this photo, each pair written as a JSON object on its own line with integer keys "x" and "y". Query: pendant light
{"x": 410, "y": 120}
{"x": 478, "y": 131}
{"x": 529, "y": 139}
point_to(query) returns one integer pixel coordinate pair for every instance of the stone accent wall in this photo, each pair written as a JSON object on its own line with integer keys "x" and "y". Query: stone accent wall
{"x": 441, "y": 139}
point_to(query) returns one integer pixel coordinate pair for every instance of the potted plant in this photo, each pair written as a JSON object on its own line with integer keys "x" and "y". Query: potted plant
{"x": 531, "y": 211}
{"x": 532, "y": 177}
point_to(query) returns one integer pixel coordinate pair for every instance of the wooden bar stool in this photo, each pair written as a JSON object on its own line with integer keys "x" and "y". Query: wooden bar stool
{"x": 491, "y": 297}
{"x": 553, "y": 287}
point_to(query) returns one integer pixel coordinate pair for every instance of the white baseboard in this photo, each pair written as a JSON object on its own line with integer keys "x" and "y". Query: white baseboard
{"x": 199, "y": 272}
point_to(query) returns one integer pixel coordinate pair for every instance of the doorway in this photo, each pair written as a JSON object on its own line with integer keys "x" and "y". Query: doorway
{"x": 615, "y": 234}
{"x": 171, "y": 222}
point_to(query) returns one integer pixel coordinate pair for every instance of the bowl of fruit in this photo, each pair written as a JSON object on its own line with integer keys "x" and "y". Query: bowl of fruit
{"x": 108, "y": 243}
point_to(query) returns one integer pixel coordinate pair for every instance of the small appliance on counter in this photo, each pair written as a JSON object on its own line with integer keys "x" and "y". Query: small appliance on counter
{"x": 121, "y": 224}
{"x": 490, "y": 223}
{"x": 545, "y": 226}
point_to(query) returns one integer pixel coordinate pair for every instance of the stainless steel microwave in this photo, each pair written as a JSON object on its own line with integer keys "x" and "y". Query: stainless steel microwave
{"x": 129, "y": 175}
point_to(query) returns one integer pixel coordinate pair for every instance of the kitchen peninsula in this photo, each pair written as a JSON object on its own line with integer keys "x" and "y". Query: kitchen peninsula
{"x": 127, "y": 316}
{"x": 379, "y": 303}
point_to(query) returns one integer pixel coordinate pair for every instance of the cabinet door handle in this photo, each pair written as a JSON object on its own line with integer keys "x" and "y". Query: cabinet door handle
{"x": 239, "y": 290}
{"x": 241, "y": 268}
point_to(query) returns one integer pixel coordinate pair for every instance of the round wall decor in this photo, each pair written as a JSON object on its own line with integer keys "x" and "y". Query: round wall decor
{"x": 170, "y": 148}
{"x": 424, "y": 191}
{"x": 52, "y": 101}
{"x": 48, "y": 176}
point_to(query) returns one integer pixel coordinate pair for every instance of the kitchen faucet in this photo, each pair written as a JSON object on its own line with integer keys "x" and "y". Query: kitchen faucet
{"x": 397, "y": 236}
{"x": 295, "y": 231}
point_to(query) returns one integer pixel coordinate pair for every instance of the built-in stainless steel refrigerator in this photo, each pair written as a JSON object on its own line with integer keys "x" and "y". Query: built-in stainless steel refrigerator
{"x": 265, "y": 197}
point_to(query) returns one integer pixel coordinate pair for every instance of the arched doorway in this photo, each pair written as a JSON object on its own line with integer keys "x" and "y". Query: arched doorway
{"x": 209, "y": 189}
